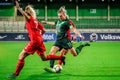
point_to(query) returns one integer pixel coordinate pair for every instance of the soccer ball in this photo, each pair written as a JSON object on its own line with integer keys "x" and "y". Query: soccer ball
{"x": 57, "y": 68}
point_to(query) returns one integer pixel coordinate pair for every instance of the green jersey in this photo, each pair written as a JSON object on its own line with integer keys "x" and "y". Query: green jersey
{"x": 62, "y": 27}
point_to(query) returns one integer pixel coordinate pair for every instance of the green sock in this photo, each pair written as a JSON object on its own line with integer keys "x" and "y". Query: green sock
{"x": 78, "y": 49}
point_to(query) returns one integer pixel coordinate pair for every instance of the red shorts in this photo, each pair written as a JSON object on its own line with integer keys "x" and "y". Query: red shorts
{"x": 39, "y": 48}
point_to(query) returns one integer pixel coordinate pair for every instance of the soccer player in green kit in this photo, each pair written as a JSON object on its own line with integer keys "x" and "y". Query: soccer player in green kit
{"x": 63, "y": 42}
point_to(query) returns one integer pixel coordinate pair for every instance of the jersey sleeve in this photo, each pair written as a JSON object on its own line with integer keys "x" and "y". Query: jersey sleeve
{"x": 72, "y": 23}
{"x": 69, "y": 25}
{"x": 41, "y": 27}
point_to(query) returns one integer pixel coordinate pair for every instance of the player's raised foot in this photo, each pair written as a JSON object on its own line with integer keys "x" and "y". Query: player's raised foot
{"x": 49, "y": 70}
{"x": 63, "y": 60}
{"x": 86, "y": 44}
{"x": 12, "y": 76}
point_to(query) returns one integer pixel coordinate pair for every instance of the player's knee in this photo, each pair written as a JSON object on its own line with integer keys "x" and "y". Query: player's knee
{"x": 51, "y": 54}
{"x": 44, "y": 59}
{"x": 51, "y": 51}
{"x": 21, "y": 56}
{"x": 74, "y": 54}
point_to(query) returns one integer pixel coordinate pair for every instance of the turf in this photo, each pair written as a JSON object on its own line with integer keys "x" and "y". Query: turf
{"x": 100, "y": 61}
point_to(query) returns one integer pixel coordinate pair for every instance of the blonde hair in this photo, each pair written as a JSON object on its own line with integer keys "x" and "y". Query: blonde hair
{"x": 63, "y": 10}
{"x": 30, "y": 11}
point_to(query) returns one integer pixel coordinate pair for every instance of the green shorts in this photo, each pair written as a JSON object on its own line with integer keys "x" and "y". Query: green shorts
{"x": 63, "y": 43}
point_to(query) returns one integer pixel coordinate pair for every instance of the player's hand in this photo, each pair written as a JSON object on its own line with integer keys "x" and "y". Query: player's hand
{"x": 44, "y": 22}
{"x": 82, "y": 37}
{"x": 74, "y": 37}
{"x": 17, "y": 4}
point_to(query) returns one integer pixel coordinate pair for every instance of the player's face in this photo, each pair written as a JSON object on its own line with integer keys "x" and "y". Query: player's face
{"x": 27, "y": 10}
{"x": 61, "y": 16}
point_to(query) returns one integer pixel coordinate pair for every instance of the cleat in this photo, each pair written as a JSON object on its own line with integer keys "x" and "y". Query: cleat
{"x": 86, "y": 44}
{"x": 49, "y": 70}
{"x": 12, "y": 76}
{"x": 63, "y": 60}
{"x": 77, "y": 50}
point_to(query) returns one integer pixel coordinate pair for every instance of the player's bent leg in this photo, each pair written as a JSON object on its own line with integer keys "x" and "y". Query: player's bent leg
{"x": 42, "y": 56}
{"x": 52, "y": 57}
{"x": 20, "y": 64}
{"x": 63, "y": 52}
{"x": 79, "y": 48}
{"x": 86, "y": 44}
{"x": 53, "y": 52}
{"x": 73, "y": 52}
{"x": 55, "y": 57}
{"x": 52, "y": 63}
{"x": 23, "y": 54}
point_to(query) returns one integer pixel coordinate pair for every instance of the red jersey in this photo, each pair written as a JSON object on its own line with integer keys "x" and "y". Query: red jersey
{"x": 33, "y": 26}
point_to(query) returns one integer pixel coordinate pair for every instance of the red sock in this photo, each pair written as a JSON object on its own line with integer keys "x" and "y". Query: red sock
{"x": 59, "y": 62}
{"x": 53, "y": 57}
{"x": 19, "y": 66}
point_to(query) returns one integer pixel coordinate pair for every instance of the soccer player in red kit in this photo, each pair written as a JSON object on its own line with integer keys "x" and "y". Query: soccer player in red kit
{"x": 35, "y": 31}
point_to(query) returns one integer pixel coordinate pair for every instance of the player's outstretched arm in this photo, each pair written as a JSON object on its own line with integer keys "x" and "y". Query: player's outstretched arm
{"x": 78, "y": 33}
{"x": 49, "y": 23}
{"x": 21, "y": 11}
{"x": 41, "y": 27}
{"x": 73, "y": 27}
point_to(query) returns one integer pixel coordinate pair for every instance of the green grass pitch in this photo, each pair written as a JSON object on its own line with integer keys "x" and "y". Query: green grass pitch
{"x": 100, "y": 61}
